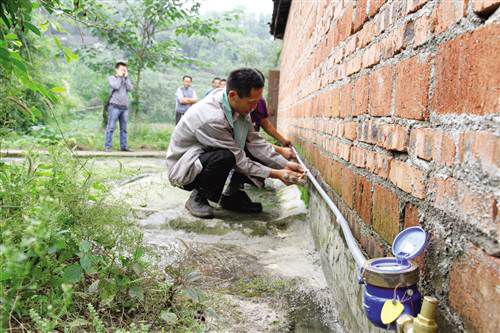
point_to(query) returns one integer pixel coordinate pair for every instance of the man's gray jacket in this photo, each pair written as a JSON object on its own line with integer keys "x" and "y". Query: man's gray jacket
{"x": 204, "y": 127}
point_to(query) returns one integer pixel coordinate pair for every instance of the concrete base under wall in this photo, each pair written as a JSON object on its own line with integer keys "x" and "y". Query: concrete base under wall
{"x": 338, "y": 266}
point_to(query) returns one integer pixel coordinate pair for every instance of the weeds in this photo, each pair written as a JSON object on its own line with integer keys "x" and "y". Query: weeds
{"x": 70, "y": 260}
{"x": 84, "y": 132}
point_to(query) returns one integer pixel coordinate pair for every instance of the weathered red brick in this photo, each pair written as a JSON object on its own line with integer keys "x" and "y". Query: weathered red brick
{"x": 347, "y": 186}
{"x": 421, "y": 143}
{"x": 345, "y": 100}
{"x": 448, "y": 13}
{"x": 474, "y": 281}
{"x": 393, "y": 137}
{"x": 412, "y": 86}
{"x": 396, "y": 40}
{"x": 350, "y": 130}
{"x": 414, "y": 5}
{"x": 360, "y": 15}
{"x": 371, "y": 56}
{"x": 367, "y": 132}
{"x": 408, "y": 178}
{"x": 375, "y": 6}
{"x": 351, "y": 45}
{"x": 335, "y": 101}
{"x": 444, "y": 150}
{"x": 424, "y": 30}
{"x": 385, "y": 213}
{"x": 361, "y": 91}
{"x": 354, "y": 64}
{"x": 464, "y": 73}
{"x": 344, "y": 150}
{"x": 485, "y": 7}
{"x": 344, "y": 24}
{"x": 358, "y": 156}
{"x": 483, "y": 148}
{"x": 371, "y": 246}
{"x": 366, "y": 34}
{"x": 363, "y": 199}
{"x": 381, "y": 91}
{"x": 459, "y": 199}
{"x": 411, "y": 218}
{"x": 378, "y": 163}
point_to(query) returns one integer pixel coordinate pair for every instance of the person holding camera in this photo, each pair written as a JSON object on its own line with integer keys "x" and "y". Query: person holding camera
{"x": 119, "y": 85}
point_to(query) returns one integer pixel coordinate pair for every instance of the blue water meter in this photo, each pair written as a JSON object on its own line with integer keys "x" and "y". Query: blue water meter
{"x": 394, "y": 278}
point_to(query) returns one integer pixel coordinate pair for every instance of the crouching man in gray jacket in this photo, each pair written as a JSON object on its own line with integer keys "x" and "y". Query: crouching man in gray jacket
{"x": 215, "y": 136}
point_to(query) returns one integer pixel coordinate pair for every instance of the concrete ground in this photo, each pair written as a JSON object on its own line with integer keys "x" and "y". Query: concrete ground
{"x": 260, "y": 272}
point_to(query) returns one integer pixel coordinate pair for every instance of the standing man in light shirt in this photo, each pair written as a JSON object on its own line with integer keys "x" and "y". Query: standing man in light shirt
{"x": 185, "y": 97}
{"x": 216, "y": 136}
{"x": 119, "y": 85}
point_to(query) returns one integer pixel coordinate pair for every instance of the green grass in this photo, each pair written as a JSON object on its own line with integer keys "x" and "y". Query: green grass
{"x": 83, "y": 131}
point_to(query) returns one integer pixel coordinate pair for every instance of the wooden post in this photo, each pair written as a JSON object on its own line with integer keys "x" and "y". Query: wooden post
{"x": 273, "y": 94}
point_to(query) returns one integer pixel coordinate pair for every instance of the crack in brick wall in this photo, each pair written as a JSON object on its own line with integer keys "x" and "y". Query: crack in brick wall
{"x": 396, "y": 105}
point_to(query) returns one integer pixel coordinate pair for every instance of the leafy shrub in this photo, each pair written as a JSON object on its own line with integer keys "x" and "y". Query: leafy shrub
{"x": 71, "y": 259}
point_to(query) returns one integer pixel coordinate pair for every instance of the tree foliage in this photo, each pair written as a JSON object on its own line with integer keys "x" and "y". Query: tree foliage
{"x": 143, "y": 32}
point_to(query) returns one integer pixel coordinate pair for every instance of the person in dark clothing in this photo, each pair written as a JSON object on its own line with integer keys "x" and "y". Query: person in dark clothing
{"x": 260, "y": 119}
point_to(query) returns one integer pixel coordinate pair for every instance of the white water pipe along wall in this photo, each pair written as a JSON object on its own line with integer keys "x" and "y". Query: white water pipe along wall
{"x": 340, "y": 256}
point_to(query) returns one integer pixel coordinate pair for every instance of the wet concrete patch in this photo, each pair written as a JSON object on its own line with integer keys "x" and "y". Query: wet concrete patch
{"x": 260, "y": 272}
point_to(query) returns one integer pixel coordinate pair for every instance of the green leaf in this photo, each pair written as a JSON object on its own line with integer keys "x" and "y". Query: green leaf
{"x": 86, "y": 264}
{"x": 193, "y": 276}
{"x": 168, "y": 317}
{"x": 10, "y": 36}
{"x": 107, "y": 291}
{"x": 58, "y": 43}
{"x": 136, "y": 292}
{"x": 85, "y": 246}
{"x": 58, "y": 90}
{"x": 32, "y": 28}
{"x": 193, "y": 294}
{"x": 72, "y": 273}
{"x": 78, "y": 323}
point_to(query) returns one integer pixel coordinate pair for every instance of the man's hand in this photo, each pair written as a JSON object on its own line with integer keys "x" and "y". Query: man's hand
{"x": 125, "y": 72}
{"x": 292, "y": 166}
{"x": 287, "y": 176}
{"x": 286, "y": 142}
{"x": 287, "y": 153}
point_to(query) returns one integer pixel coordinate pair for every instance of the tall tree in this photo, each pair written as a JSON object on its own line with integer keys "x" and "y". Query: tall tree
{"x": 144, "y": 29}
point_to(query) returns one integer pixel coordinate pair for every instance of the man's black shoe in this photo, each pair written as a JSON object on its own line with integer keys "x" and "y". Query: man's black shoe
{"x": 198, "y": 205}
{"x": 240, "y": 202}
{"x": 126, "y": 149}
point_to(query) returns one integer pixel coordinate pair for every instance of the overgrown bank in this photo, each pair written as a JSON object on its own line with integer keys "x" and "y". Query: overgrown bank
{"x": 72, "y": 261}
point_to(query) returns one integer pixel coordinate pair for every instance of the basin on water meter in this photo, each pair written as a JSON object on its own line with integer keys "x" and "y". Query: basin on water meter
{"x": 394, "y": 278}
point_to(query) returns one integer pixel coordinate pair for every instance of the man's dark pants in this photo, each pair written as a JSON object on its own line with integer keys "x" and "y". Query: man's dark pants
{"x": 178, "y": 117}
{"x": 210, "y": 181}
{"x": 217, "y": 164}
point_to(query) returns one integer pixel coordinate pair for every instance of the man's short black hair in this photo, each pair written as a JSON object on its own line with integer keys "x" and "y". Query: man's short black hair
{"x": 243, "y": 80}
{"x": 223, "y": 80}
{"x": 215, "y": 78}
{"x": 185, "y": 76}
{"x": 120, "y": 63}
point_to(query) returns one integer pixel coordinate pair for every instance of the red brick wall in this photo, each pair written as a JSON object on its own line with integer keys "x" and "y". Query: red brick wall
{"x": 396, "y": 104}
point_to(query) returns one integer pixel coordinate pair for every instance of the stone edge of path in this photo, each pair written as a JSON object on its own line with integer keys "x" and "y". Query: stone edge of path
{"x": 86, "y": 153}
